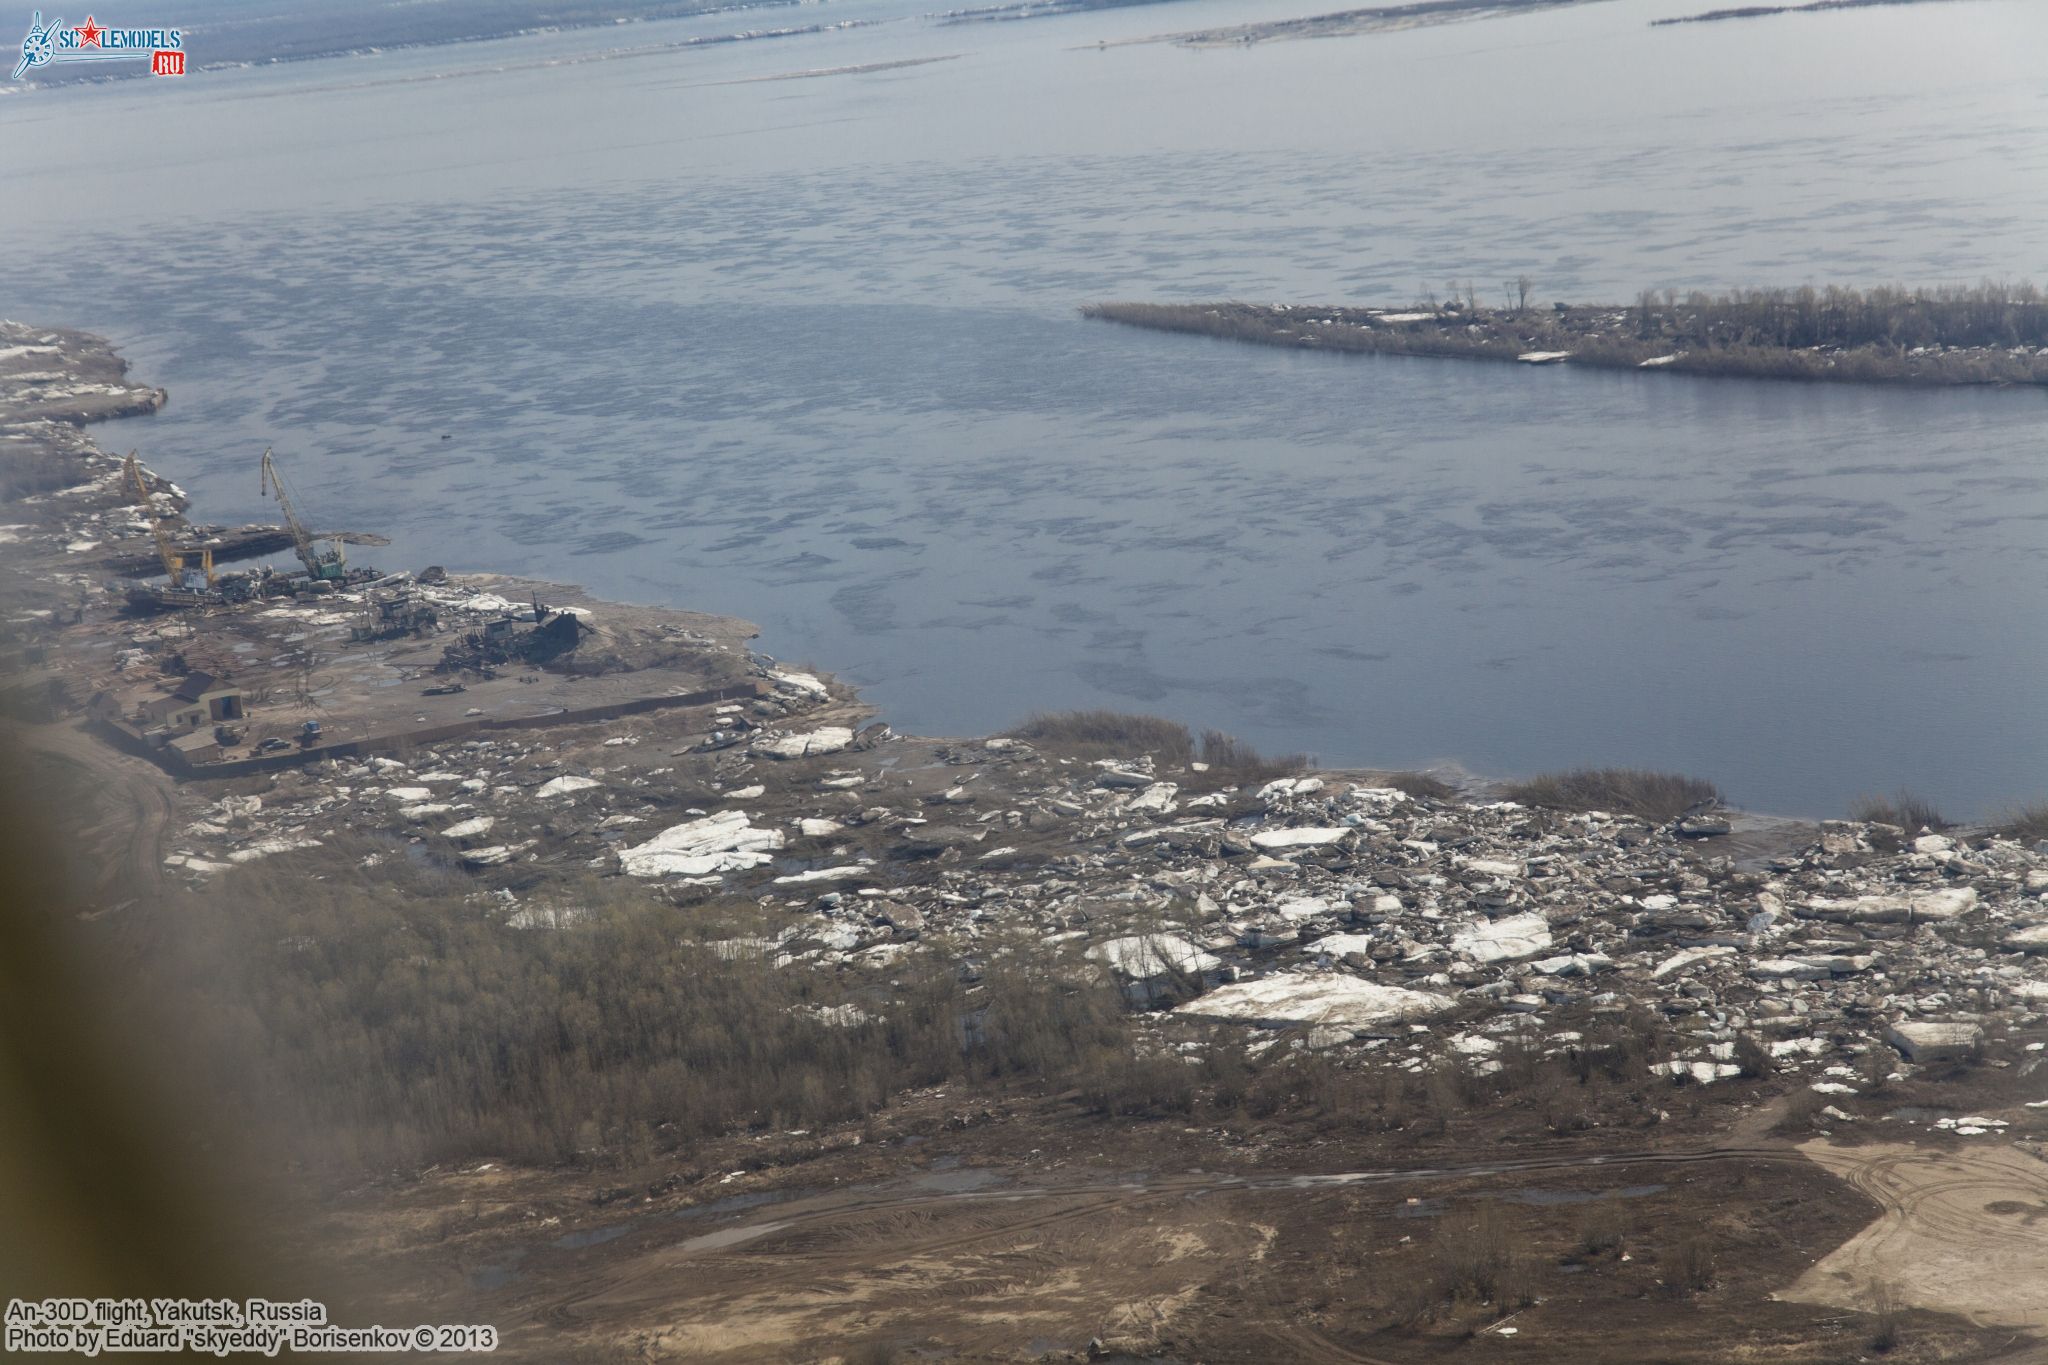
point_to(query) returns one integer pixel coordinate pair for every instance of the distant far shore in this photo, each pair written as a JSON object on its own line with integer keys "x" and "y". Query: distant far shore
{"x": 1993, "y": 334}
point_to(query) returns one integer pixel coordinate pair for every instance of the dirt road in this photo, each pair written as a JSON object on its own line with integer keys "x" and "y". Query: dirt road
{"x": 1964, "y": 1231}
{"x": 1010, "y": 1263}
{"x": 129, "y": 807}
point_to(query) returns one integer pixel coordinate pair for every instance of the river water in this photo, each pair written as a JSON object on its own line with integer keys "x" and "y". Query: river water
{"x": 606, "y": 309}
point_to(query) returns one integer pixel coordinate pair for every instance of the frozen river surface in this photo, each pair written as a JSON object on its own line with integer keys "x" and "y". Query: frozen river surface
{"x": 612, "y": 309}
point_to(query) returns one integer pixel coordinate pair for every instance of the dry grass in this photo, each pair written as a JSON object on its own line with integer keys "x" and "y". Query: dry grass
{"x": 2028, "y": 824}
{"x": 1602, "y": 1230}
{"x": 1122, "y": 734}
{"x": 36, "y": 471}
{"x": 1108, "y": 734}
{"x": 1628, "y": 791}
{"x": 1231, "y": 758}
{"x": 1419, "y": 785}
{"x": 1753, "y": 1057}
{"x": 366, "y": 1027}
{"x": 1800, "y": 1114}
{"x": 1475, "y": 1259}
{"x": 1884, "y": 1309}
{"x": 1908, "y": 811}
{"x": 1692, "y": 1266}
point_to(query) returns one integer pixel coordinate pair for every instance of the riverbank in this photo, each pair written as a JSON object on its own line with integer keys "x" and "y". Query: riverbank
{"x": 1773, "y": 11}
{"x": 724, "y": 945}
{"x": 1356, "y": 22}
{"x": 1840, "y": 336}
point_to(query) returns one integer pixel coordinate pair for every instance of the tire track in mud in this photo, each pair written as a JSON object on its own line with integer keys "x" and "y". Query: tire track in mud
{"x": 1963, "y": 1230}
{"x": 829, "y": 1243}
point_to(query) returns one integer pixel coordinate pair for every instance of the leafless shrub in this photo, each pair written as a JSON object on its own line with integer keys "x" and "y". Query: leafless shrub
{"x": 1801, "y": 1109}
{"x": 2028, "y": 824}
{"x": 1226, "y": 1069}
{"x": 1693, "y": 1266}
{"x": 30, "y": 471}
{"x": 1564, "y": 1114}
{"x": 364, "y": 1025}
{"x": 1619, "y": 1050}
{"x": 1992, "y": 314}
{"x": 1108, "y": 734}
{"x": 1602, "y": 1229}
{"x": 1884, "y": 1311}
{"x": 304, "y": 665}
{"x": 1049, "y": 1023}
{"x": 1628, "y": 791}
{"x": 1520, "y": 1063}
{"x": 1753, "y": 1057}
{"x": 1230, "y": 757}
{"x": 1449, "y": 1089}
{"x": 1475, "y": 1257}
{"x": 1903, "y": 808}
{"x": 1121, "y": 1082}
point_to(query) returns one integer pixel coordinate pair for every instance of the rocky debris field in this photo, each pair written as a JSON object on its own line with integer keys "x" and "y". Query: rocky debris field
{"x": 61, "y": 496}
{"x": 1348, "y": 914}
{"x": 53, "y": 375}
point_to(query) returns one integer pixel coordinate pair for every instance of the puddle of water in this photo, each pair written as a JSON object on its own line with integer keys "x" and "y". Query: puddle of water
{"x": 735, "y": 1203}
{"x": 726, "y": 1237}
{"x": 592, "y": 1237}
{"x": 498, "y": 1276}
{"x": 1435, "y": 1208}
{"x": 956, "y": 1182}
{"x": 1551, "y": 1197}
{"x": 423, "y": 856}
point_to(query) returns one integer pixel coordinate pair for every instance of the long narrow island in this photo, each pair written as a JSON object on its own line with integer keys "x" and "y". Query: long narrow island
{"x": 1991, "y": 334}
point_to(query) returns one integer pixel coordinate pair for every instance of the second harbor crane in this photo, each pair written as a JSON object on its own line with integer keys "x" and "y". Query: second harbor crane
{"x": 329, "y": 565}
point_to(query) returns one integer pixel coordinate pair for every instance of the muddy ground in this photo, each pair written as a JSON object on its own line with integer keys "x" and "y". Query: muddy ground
{"x": 1024, "y": 1230}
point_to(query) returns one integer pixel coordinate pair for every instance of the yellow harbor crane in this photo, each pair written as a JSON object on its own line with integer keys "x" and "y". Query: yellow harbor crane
{"x": 328, "y": 564}
{"x": 174, "y": 563}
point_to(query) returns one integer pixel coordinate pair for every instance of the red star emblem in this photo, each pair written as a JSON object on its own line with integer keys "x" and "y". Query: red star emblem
{"x": 89, "y": 33}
